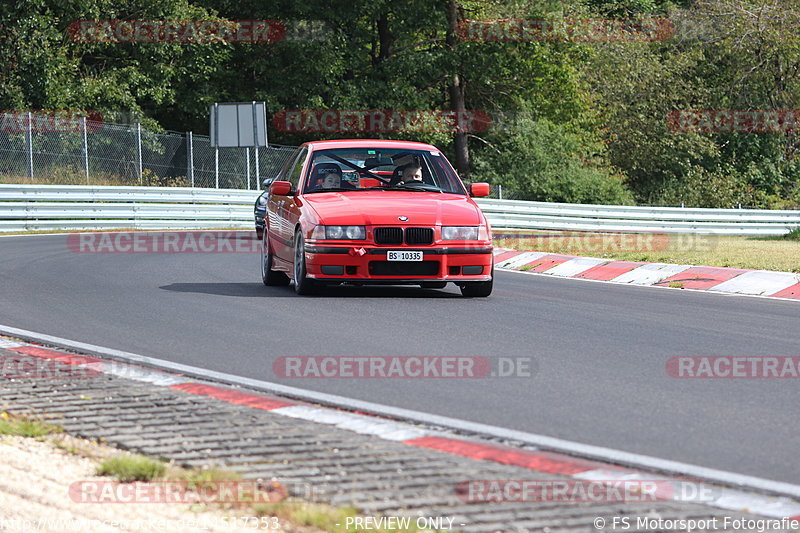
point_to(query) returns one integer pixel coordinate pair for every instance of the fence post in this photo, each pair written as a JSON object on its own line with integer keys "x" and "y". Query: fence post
{"x": 139, "y": 150}
{"x": 247, "y": 166}
{"x": 499, "y": 192}
{"x": 190, "y": 159}
{"x": 255, "y": 139}
{"x": 216, "y": 144}
{"x": 85, "y": 150}
{"x": 29, "y": 138}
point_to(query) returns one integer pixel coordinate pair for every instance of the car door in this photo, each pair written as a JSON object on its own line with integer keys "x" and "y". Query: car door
{"x": 281, "y": 227}
{"x": 291, "y": 207}
{"x": 274, "y": 214}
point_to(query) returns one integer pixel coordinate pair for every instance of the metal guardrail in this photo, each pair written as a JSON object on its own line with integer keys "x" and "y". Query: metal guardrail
{"x": 53, "y": 207}
{"x": 518, "y": 214}
{"x": 79, "y": 207}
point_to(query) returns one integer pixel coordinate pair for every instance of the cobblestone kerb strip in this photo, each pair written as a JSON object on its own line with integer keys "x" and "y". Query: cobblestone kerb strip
{"x": 380, "y": 466}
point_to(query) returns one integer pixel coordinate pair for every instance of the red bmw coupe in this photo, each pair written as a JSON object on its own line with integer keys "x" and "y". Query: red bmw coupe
{"x": 375, "y": 212}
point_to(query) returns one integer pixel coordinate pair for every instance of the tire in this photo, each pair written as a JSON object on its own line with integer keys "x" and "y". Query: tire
{"x": 302, "y": 284}
{"x": 259, "y": 233}
{"x": 271, "y": 278}
{"x": 478, "y": 289}
{"x": 433, "y": 284}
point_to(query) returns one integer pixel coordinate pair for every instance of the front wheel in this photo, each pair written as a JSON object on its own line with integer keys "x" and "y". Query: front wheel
{"x": 302, "y": 284}
{"x": 478, "y": 289}
{"x": 271, "y": 278}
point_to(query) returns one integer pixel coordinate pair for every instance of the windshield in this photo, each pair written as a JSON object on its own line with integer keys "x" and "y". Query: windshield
{"x": 358, "y": 169}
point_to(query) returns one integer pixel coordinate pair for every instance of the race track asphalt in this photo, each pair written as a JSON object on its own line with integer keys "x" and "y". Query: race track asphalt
{"x": 599, "y": 349}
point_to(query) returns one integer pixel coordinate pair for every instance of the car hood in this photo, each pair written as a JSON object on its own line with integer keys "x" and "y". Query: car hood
{"x": 384, "y": 207}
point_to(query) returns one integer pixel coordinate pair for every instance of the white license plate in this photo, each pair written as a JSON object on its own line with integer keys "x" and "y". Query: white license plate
{"x": 400, "y": 255}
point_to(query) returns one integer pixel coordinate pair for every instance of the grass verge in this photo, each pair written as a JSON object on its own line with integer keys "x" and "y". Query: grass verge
{"x": 128, "y": 468}
{"x": 19, "y": 426}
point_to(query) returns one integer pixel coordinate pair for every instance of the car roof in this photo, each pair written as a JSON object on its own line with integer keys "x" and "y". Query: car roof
{"x": 371, "y": 143}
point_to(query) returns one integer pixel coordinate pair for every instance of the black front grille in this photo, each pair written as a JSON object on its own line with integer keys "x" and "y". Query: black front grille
{"x": 388, "y": 235}
{"x": 419, "y": 236}
{"x": 413, "y": 236}
{"x": 403, "y": 268}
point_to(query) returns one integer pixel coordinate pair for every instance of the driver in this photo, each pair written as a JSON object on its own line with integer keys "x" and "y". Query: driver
{"x": 326, "y": 176}
{"x": 412, "y": 173}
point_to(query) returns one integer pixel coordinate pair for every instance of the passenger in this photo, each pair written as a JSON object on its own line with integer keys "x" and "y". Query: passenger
{"x": 331, "y": 180}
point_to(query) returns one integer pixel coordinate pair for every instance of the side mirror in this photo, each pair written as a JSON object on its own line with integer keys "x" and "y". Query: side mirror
{"x": 479, "y": 190}
{"x": 266, "y": 182}
{"x": 280, "y": 188}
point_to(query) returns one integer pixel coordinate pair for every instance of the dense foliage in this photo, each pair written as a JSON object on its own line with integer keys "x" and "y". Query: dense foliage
{"x": 572, "y": 120}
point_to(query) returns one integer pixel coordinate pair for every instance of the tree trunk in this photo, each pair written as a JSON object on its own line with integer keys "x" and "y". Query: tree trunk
{"x": 385, "y": 39}
{"x": 456, "y": 92}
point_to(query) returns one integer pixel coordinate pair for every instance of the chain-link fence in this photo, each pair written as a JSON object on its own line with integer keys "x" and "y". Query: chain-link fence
{"x": 71, "y": 150}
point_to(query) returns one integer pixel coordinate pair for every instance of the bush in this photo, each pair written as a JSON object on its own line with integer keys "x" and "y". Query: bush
{"x": 151, "y": 179}
{"x": 539, "y": 160}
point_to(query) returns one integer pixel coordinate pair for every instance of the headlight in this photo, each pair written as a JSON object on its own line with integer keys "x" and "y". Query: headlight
{"x": 459, "y": 233}
{"x": 353, "y": 233}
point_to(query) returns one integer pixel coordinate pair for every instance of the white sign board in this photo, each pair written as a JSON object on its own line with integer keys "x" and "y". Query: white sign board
{"x": 238, "y": 124}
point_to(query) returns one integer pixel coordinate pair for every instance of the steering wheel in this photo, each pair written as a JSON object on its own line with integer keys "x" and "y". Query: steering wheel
{"x": 396, "y": 173}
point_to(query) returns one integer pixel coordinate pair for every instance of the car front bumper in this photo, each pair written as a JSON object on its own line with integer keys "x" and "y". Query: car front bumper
{"x": 368, "y": 264}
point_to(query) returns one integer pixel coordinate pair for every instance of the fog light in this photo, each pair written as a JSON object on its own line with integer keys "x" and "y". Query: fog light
{"x": 332, "y": 270}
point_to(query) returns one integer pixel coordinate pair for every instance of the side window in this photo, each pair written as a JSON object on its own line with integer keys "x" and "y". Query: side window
{"x": 298, "y": 168}
{"x": 283, "y": 175}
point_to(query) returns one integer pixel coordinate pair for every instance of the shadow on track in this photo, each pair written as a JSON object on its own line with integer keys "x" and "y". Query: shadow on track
{"x": 251, "y": 290}
{"x": 258, "y": 290}
{"x": 384, "y": 291}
